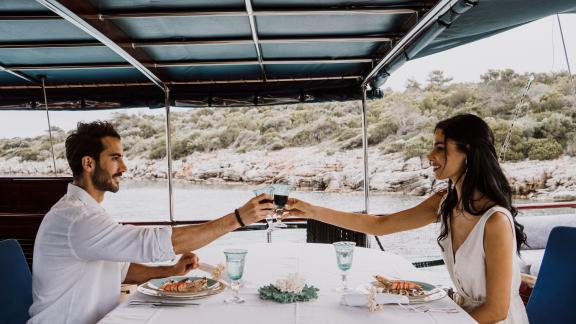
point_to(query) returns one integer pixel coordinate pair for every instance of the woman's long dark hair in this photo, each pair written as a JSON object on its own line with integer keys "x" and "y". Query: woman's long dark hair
{"x": 483, "y": 173}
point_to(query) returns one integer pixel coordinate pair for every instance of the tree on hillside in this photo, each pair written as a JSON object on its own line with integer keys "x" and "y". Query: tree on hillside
{"x": 437, "y": 80}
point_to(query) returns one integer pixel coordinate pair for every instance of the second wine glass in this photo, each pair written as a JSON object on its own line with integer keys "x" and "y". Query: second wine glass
{"x": 281, "y": 192}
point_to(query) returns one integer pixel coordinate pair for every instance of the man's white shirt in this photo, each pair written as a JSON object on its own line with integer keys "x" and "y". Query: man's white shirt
{"x": 81, "y": 256}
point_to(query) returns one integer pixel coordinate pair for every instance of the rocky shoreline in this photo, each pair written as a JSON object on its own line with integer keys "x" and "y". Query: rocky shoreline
{"x": 317, "y": 169}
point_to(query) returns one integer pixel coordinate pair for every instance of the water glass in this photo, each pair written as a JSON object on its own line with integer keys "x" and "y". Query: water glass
{"x": 235, "y": 269}
{"x": 344, "y": 257}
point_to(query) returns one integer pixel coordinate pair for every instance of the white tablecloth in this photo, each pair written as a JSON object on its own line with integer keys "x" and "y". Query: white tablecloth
{"x": 317, "y": 263}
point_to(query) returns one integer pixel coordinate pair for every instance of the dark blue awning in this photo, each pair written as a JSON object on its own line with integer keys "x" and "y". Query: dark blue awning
{"x": 210, "y": 52}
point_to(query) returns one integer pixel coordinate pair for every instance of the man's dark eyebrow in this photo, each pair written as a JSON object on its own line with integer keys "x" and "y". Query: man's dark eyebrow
{"x": 116, "y": 154}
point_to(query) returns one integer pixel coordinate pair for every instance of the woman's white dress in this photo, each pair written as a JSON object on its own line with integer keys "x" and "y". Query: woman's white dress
{"x": 468, "y": 270}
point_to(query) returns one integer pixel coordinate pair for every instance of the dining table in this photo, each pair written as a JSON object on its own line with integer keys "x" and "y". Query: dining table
{"x": 267, "y": 262}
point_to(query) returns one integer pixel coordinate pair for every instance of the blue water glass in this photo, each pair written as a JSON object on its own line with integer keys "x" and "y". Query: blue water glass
{"x": 344, "y": 257}
{"x": 235, "y": 269}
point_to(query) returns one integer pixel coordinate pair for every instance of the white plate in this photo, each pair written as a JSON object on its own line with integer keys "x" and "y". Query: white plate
{"x": 151, "y": 288}
{"x": 431, "y": 292}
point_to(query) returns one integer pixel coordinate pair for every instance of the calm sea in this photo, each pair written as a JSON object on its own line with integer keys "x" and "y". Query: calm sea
{"x": 148, "y": 200}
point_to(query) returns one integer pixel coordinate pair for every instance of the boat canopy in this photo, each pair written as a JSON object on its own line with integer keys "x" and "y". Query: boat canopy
{"x": 105, "y": 54}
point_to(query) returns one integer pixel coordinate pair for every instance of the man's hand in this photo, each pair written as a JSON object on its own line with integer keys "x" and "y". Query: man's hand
{"x": 256, "y": 209}
{"x": 188, "y": 262}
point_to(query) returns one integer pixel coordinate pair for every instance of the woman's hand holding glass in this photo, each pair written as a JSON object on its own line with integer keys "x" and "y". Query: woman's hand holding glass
{"x": 299, "y": 208}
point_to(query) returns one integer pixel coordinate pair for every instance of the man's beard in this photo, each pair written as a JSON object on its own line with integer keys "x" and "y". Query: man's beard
{"x": 102, "y": 181}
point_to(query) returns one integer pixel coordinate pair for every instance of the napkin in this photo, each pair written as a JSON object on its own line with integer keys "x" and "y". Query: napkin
{"x": 359, "y": 299}
{"x": 210, "y": 269}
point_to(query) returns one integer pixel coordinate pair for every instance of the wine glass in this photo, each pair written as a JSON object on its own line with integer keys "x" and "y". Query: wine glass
{"x": 344, "y": 257}
{"x": 235, "y": 269}
{"x": 281, "y": 192}
{"x": 271, "y": 217}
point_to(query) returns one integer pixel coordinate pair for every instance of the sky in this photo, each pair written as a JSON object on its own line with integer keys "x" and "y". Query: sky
{"x": 534, "y": 47}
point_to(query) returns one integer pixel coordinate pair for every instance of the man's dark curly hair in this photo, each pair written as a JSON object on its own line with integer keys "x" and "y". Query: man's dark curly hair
{"x": 87, "y": 141}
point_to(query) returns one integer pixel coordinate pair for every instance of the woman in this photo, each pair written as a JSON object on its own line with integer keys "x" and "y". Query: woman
{"x": 480, "y": 238}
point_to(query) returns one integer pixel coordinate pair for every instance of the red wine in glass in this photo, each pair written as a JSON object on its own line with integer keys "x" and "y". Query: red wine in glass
{"x": 280, "y": 201}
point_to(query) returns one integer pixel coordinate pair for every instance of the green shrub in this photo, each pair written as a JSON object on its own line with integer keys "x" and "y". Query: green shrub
{"x": 158, "y": 151}
{"x": 417, "y": 146}
{"x": 348, "y": 133}
{"x": 147, "y": 130}
{"x": 379, "y": 132}
{"x": 394, "y": 147}
{"x": 29, "y": 155}
{"x": 544, "y": 149}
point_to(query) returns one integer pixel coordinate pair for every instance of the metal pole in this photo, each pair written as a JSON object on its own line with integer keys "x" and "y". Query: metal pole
{"x": 49, "y": 125}
{"x": 169, "y": 153}
{"x": 566, "y": 53}
{"x": 365, "y": 150}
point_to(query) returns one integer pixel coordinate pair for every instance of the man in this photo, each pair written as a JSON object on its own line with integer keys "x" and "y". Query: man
{"x": 82, "y": 255}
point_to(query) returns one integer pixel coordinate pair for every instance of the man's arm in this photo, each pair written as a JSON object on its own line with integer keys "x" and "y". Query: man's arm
{"x": 139, "y": 273}
{"x": 189, "y": 238}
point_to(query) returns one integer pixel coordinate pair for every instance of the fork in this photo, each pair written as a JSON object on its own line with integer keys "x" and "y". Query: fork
{"x": 160, "y": 303}
{"x": 424, "y": 309}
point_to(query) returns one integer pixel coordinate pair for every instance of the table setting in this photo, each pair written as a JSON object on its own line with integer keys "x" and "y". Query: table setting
{"x": 292, "y": 283}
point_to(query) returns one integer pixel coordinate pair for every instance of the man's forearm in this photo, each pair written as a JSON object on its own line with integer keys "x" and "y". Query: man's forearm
{"x": 138, "y": 273}
{"x": 192, "y": 237}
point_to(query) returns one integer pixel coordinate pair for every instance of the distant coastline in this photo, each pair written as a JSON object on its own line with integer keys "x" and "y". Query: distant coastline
{"x": 312, "y": 169}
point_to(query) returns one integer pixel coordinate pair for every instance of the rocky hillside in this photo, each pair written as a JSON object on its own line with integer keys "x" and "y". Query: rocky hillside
{"x": 317, "y": 146}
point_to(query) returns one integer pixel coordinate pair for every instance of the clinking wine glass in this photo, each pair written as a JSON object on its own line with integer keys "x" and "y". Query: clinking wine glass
{"x": 235, "y": 259}
{"x": 344, "y": 257}
{"x": 281, "y": 192}
{"x": 271, "y": 217}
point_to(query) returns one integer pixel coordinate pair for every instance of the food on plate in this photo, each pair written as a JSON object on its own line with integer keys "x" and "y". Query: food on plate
{"x": 186, "y": 285}
{"x": 399, "y": 287}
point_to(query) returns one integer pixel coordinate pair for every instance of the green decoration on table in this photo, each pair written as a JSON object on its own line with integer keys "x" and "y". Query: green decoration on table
{"x": 273, "y": 293}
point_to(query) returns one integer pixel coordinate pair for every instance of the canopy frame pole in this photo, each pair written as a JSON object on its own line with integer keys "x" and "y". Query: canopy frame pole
{"x": 176, "y": 83}
{"x": 169, "y": 154}
{"x": 566, "y": 54}
{"x": 49, "y": 125}
{"x": 365, "y": 152}
{"x": 95, "y": 27}
{"x": 17, "y": 74}
{"x": 366, "y": 171}
{"x": 439, "y": 9}
{"x": 254, "y": 32}
{"x": 139, "y": 14}
{"x": 186, "y": 64}
{"x": 199, "y": 42}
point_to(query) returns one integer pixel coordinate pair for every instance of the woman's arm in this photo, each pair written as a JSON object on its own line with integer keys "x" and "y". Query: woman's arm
{"x": 418, "y": 216}
{"x": 498, "y": 247}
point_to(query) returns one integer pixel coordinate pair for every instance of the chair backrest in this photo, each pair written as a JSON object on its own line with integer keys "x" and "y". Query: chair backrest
{"x": 552, "y": 300}
{"x": 23, "y": 228}
{"x": 16, "y": 292}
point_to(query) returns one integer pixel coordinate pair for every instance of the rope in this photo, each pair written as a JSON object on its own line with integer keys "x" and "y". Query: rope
{"x": 517, "y": 110}
{"x": 49, "y": 125}
{"x": 566, "y": 53}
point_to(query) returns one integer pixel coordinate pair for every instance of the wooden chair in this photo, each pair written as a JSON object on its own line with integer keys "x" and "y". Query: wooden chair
{"x": 23, "y": 204}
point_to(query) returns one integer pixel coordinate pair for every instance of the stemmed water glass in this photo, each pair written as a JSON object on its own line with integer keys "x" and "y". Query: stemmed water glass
{"x": 235, "y": 269}
{"x": 344, "y": 257}
{"x": 281, "y": 192}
